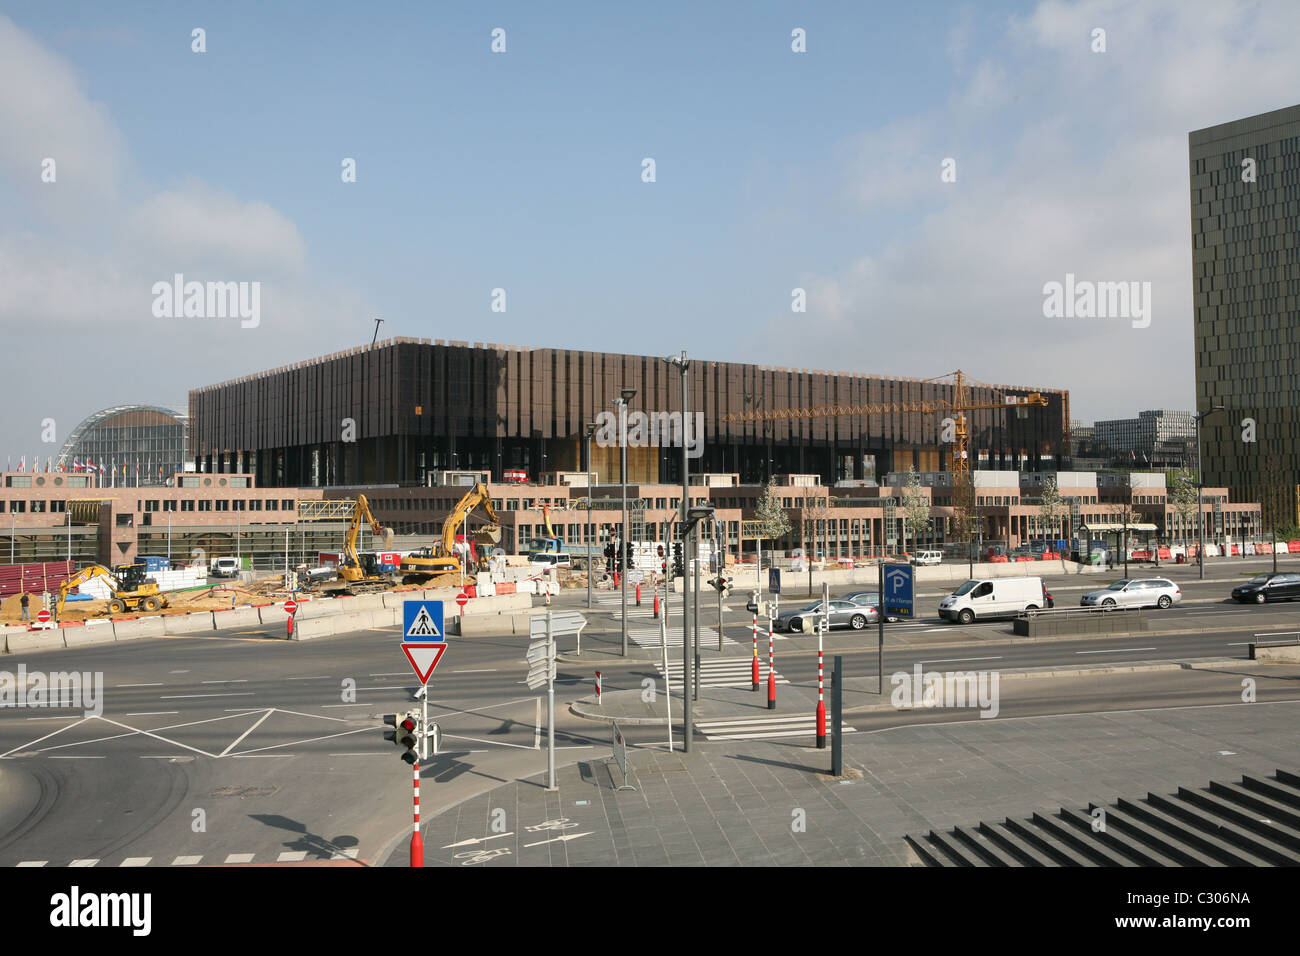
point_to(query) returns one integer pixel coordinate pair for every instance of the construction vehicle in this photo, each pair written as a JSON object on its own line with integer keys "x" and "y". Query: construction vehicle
{"x": 580, "y": 555}
{"x": 444, "y": 563}
{"x": 131, "y": 592}
{"x": 354, "y": 575}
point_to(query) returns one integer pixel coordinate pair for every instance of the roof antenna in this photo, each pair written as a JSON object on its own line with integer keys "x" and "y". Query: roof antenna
{"x": 376, "y": 338}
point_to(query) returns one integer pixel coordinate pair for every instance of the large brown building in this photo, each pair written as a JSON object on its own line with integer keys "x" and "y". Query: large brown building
{"x": 395, "y": 412}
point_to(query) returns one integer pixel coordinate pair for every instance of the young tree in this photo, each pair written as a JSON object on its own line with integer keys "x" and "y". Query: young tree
{"x": 773, "y": 522}
{"x": 1052, "y": 510}
{"x": 1276, "y": 502}
{"x": 916, "y": 508}
{"x": 965, "y": 520}
{"x": 1183, "y": 499}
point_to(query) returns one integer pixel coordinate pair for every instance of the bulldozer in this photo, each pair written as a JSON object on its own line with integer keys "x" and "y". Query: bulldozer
{"x": 442, "y": 564}
{"x": 131, "y": 592}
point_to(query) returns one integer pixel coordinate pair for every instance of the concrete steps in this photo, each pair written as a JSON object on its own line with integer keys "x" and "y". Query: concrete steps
{"x": 1252, "y": 823}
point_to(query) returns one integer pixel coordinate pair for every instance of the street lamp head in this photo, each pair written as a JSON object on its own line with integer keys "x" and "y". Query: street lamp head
{"x": 629, "y": 394}
{"x": 591, "y": 429}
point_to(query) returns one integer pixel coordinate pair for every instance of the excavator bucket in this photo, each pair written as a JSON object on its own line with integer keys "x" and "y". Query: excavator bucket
{"x": 488, "y": 534}
{"x": 388, "y": 538}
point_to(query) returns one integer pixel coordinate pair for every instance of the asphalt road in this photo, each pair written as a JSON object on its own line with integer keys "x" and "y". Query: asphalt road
{"x": 238, "y": 746}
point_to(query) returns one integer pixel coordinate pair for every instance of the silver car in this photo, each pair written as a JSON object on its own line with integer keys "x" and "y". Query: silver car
{"x": 1143, "y": 592}
{"x": 843, "y": 614}
{"x": 870, "y": 599}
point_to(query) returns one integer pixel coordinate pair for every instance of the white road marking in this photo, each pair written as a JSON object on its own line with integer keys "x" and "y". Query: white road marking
{"x": 83, "y": 863}
{"x": 64, "y": 717}
{"x": 240, "y": 858}
{"x": 247, "y": 693}
{"x": 32, "y": 863}
{"x": 237, "y": 740}
{"x": 393, "y": 674}
{"x": 241, "y": 681}
{"x": 473, "y": 840}
{"x": 561, "y": 839}
{"x": 345, "y": 855}
{"x": 136, "y": 861}
{"x": 272, "y": 756}
{"x": 186, "y": 860}
{"x": 155, "y": 713}
{"x": 344, "y": 705}
{"x": 321, "y": 677}
{"x": 960, "y": 660}
{"x": 292, "y": 856}
{"x": 497, "y": 743}
{"x": 141, "y": 685}
{"x": 484, "y": 670}
{"x": 362, "y": 753}
{"x": 179, "y": 672}
{"x": 1119, "y": 650}
{"x": 74, "y": 757}
{"x": 308, "y": 740}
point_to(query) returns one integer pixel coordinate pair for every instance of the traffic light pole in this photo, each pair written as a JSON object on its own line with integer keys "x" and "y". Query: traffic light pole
{"x": 417, "y": 843}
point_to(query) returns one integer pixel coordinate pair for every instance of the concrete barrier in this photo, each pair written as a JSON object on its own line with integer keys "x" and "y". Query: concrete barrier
{"x": 497, "y": 604}
{"x": 188, "y": 623}
{"x": 313, "y": 628}
{"x": 87, "y": 636}
{"x": 1277, "y": 653}
{"x": 1049, "y": 624}
{"x": 143, "y": 627}
{"x": 36, "y": 641}
{"x": 479, "y": 624}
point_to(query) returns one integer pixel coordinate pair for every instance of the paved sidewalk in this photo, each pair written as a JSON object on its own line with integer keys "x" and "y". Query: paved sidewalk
{"x": 764, "y": 803}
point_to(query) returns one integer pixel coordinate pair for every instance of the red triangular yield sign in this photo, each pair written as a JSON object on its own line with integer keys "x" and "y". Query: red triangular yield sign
{"x": 424, "y": 658}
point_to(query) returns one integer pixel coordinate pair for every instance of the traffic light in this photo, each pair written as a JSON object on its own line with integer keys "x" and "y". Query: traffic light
{"x": 609, "y": 557}
{"x": 405, "y": 734}
{"x": 724, "y": 583}
{"x": 627, "y": 555}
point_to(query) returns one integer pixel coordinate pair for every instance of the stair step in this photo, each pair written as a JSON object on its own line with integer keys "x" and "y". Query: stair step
{"x": 989, "y": 852}
{"x": 1115, "y": 839}
{"x": 1060, "y": 854}
{"x": 1089, "y": 847}
{"x": 1183, "y": 854}
{"x": 1257, "y": 803}
{"x": 1273, "y": 789}
{"x": 1246, "y": 820}
{"x": 1025, "y": 852}
{"x": 927, "y": 853}
{"x": 1209, "y": 822}
{"x": 1228, "y": 854}
{"x": 956, "y": 850}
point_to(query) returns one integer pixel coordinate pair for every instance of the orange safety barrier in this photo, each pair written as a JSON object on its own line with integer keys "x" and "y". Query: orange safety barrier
{"x": 999, "y": 559}
{"x": 506, "y": 587}
{"x": 1293, "y": 547}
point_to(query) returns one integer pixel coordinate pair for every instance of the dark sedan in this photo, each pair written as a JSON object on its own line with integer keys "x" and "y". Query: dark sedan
{"x": 1268, "y": 587}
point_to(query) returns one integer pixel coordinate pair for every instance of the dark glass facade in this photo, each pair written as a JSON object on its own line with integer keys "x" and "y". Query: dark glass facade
{"x": 1245, "y": 205}
{"x": 414, "y": 406}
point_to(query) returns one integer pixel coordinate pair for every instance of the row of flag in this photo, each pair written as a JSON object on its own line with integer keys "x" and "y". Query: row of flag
{"x": 78, "y": 465}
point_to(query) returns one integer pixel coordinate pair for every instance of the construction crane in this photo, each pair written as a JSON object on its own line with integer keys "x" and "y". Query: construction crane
{"x": 442, "y": 561}
{"x": 130, "y": 590}
{"x": 959, "y": 404}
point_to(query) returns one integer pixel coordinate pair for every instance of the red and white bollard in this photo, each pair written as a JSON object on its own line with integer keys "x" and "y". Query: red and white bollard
{"x": 598, "y": 703}
{"x": 417, "y": 843}
{"x": 656, "y": 616}
{"x": 821, "y": 699}
{"x": 289, "y": 625}
{"x": 754, "y": 675}
{"x": 771, "y": 668}
{"x": 638, "y": 594}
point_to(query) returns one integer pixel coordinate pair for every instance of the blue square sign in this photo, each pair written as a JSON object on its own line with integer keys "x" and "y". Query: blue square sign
{"x": 422, "y": 621}
{"x": 899, "y": 598}
{"x": 774, "y": 580}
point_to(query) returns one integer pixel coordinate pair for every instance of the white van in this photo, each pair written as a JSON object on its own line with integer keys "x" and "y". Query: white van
{"x": 927, "y": 558}
{"x": 994, "y": 597}
{"x": 225, "y": 568}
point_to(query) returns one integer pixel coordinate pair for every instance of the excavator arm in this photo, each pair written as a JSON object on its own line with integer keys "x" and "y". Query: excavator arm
{"x": 478, "y": 495}
{"x": 546, "y": 522}
{"x": 351, "y": 560}
{"x": 81, "y": 577}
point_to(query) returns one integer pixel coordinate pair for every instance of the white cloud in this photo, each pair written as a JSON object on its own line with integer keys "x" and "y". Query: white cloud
{"x": 1068, "y": 161}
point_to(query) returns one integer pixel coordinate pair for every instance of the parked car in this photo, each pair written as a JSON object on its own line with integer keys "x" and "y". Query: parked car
{"x": 1144, "y": 592}
{"x": 843, "y": 614}
{"x": 1268, "y": 587}
{"x": 996, "y": 597}
{"x": 927, "y": 557}
{"x": 869, "y": 599}
{"x": 225, "y": 568}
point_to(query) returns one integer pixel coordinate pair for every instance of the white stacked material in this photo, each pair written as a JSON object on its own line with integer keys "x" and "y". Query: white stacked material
{"x": 173, "y": 580}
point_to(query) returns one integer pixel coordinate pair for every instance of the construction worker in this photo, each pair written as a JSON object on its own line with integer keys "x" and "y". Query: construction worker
{"x": 24, "y": 601}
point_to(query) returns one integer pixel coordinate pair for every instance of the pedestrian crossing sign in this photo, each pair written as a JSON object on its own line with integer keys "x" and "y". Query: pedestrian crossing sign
{"x": 422, "y": 621}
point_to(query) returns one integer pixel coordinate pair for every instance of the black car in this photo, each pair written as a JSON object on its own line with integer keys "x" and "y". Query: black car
{"x": 1268, "y": 587}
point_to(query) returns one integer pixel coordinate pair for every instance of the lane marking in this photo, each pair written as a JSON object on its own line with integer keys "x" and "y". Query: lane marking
{"x": 74, "y": 757}
{"x": 484, "y": 670}
{"x": 959, "y": 660}
{"x": 322, "y": 677}
{"x": 136, "y": 861}
{"x": 497, "y": 743}
{"x": 1118, "y": 650}
{"x": 64, "y": 717}
{"x": 83, "y": 863}
{"x": 32, "y": 863}
{"x": 394, "y": 674}
{"x": 159, "y": 684}
{"x": 186, "y": 860}
{"x": 344, "y": 705}
{"x": 245, "y": 734}
{"x": 155, "y": 713}
{"x": 240, "y": 858}
{"x": 292, "y": 856}
{"x": 241, "y": 681}
{"x": 247, "y": 693}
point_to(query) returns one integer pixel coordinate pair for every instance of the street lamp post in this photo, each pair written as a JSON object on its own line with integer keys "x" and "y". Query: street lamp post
{"x": 1200, "y": 493}
{"x": 591, "y": 428}
{"x": 683, "y": 365}
{"x": 625, "y": 397}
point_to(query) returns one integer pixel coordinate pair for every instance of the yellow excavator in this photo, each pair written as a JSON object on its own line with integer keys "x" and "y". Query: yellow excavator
{"x": 131, "y": 592}
{"x": 441, "y": 564}
{"x": 353, "y": 570}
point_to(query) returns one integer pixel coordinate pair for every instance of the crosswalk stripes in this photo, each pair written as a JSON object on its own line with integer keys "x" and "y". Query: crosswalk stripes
{"x": 287, "y": 856}
{"x": 761, "y": 728}
{"x": 730, "y": 672}
{"x": 649, "y": 636}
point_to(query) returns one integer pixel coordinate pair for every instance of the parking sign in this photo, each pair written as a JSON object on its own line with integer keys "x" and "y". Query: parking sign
{"x": 899, "y": 591}
{"x": 774, "y": 580}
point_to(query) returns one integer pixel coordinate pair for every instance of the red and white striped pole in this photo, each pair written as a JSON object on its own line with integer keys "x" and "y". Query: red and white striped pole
{"x": 417, "y": 843}
{"x": 821, "y": 699}
{"x": 754, "y": 675}
{"x": 771, "y": 666}
{"x": 598, "y": 689}
{"x": 638, "y": 594}
{"x": 656, "y": 615}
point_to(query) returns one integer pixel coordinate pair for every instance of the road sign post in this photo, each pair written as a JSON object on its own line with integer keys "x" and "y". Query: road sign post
{"x": 668, "y": 681}
{"x": 771, "y": 648}
{"x": 880, "y": 636}
{"x": 823, "y": 623}
{"x": 837, "y": 718}
{"x": 423, "y": 643}
{"x": 754, "y": 627}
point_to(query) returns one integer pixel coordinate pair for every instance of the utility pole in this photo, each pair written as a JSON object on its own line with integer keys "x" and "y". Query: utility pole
{"x": 591, "y": 427}
{"x": 683, "y": 364}
{"x": 625, "y": 556}
{"x": 1200, "y": 493}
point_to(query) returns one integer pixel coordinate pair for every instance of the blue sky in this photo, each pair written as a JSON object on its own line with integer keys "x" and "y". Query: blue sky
{"x": 521, "y": 170}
